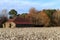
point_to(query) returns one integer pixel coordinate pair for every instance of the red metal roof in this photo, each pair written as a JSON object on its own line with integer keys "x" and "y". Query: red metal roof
{"x": 20, "y": 20}
{"x": 23, "y": 23}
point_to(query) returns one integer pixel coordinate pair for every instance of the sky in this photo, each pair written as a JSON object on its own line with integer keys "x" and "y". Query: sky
{"x": 23, "y": 6}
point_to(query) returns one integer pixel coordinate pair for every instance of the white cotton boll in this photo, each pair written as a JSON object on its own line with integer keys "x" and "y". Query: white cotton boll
{"x": 50, "y": 38}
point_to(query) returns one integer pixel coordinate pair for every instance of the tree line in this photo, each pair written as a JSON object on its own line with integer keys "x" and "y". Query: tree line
{"x": 45, "y": 17}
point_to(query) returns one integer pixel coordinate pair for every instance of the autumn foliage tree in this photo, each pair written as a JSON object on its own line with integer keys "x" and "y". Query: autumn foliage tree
{"x": 38, "y": 17}
{"x": 43, "y": 19}
{"x": 32, "y": 15}
{"x": 56, "y": 18}
{"x": 50, "y": 13}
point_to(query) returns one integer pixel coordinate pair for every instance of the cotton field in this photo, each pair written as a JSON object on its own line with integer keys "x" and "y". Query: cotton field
{"x": 50, "y": 33}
